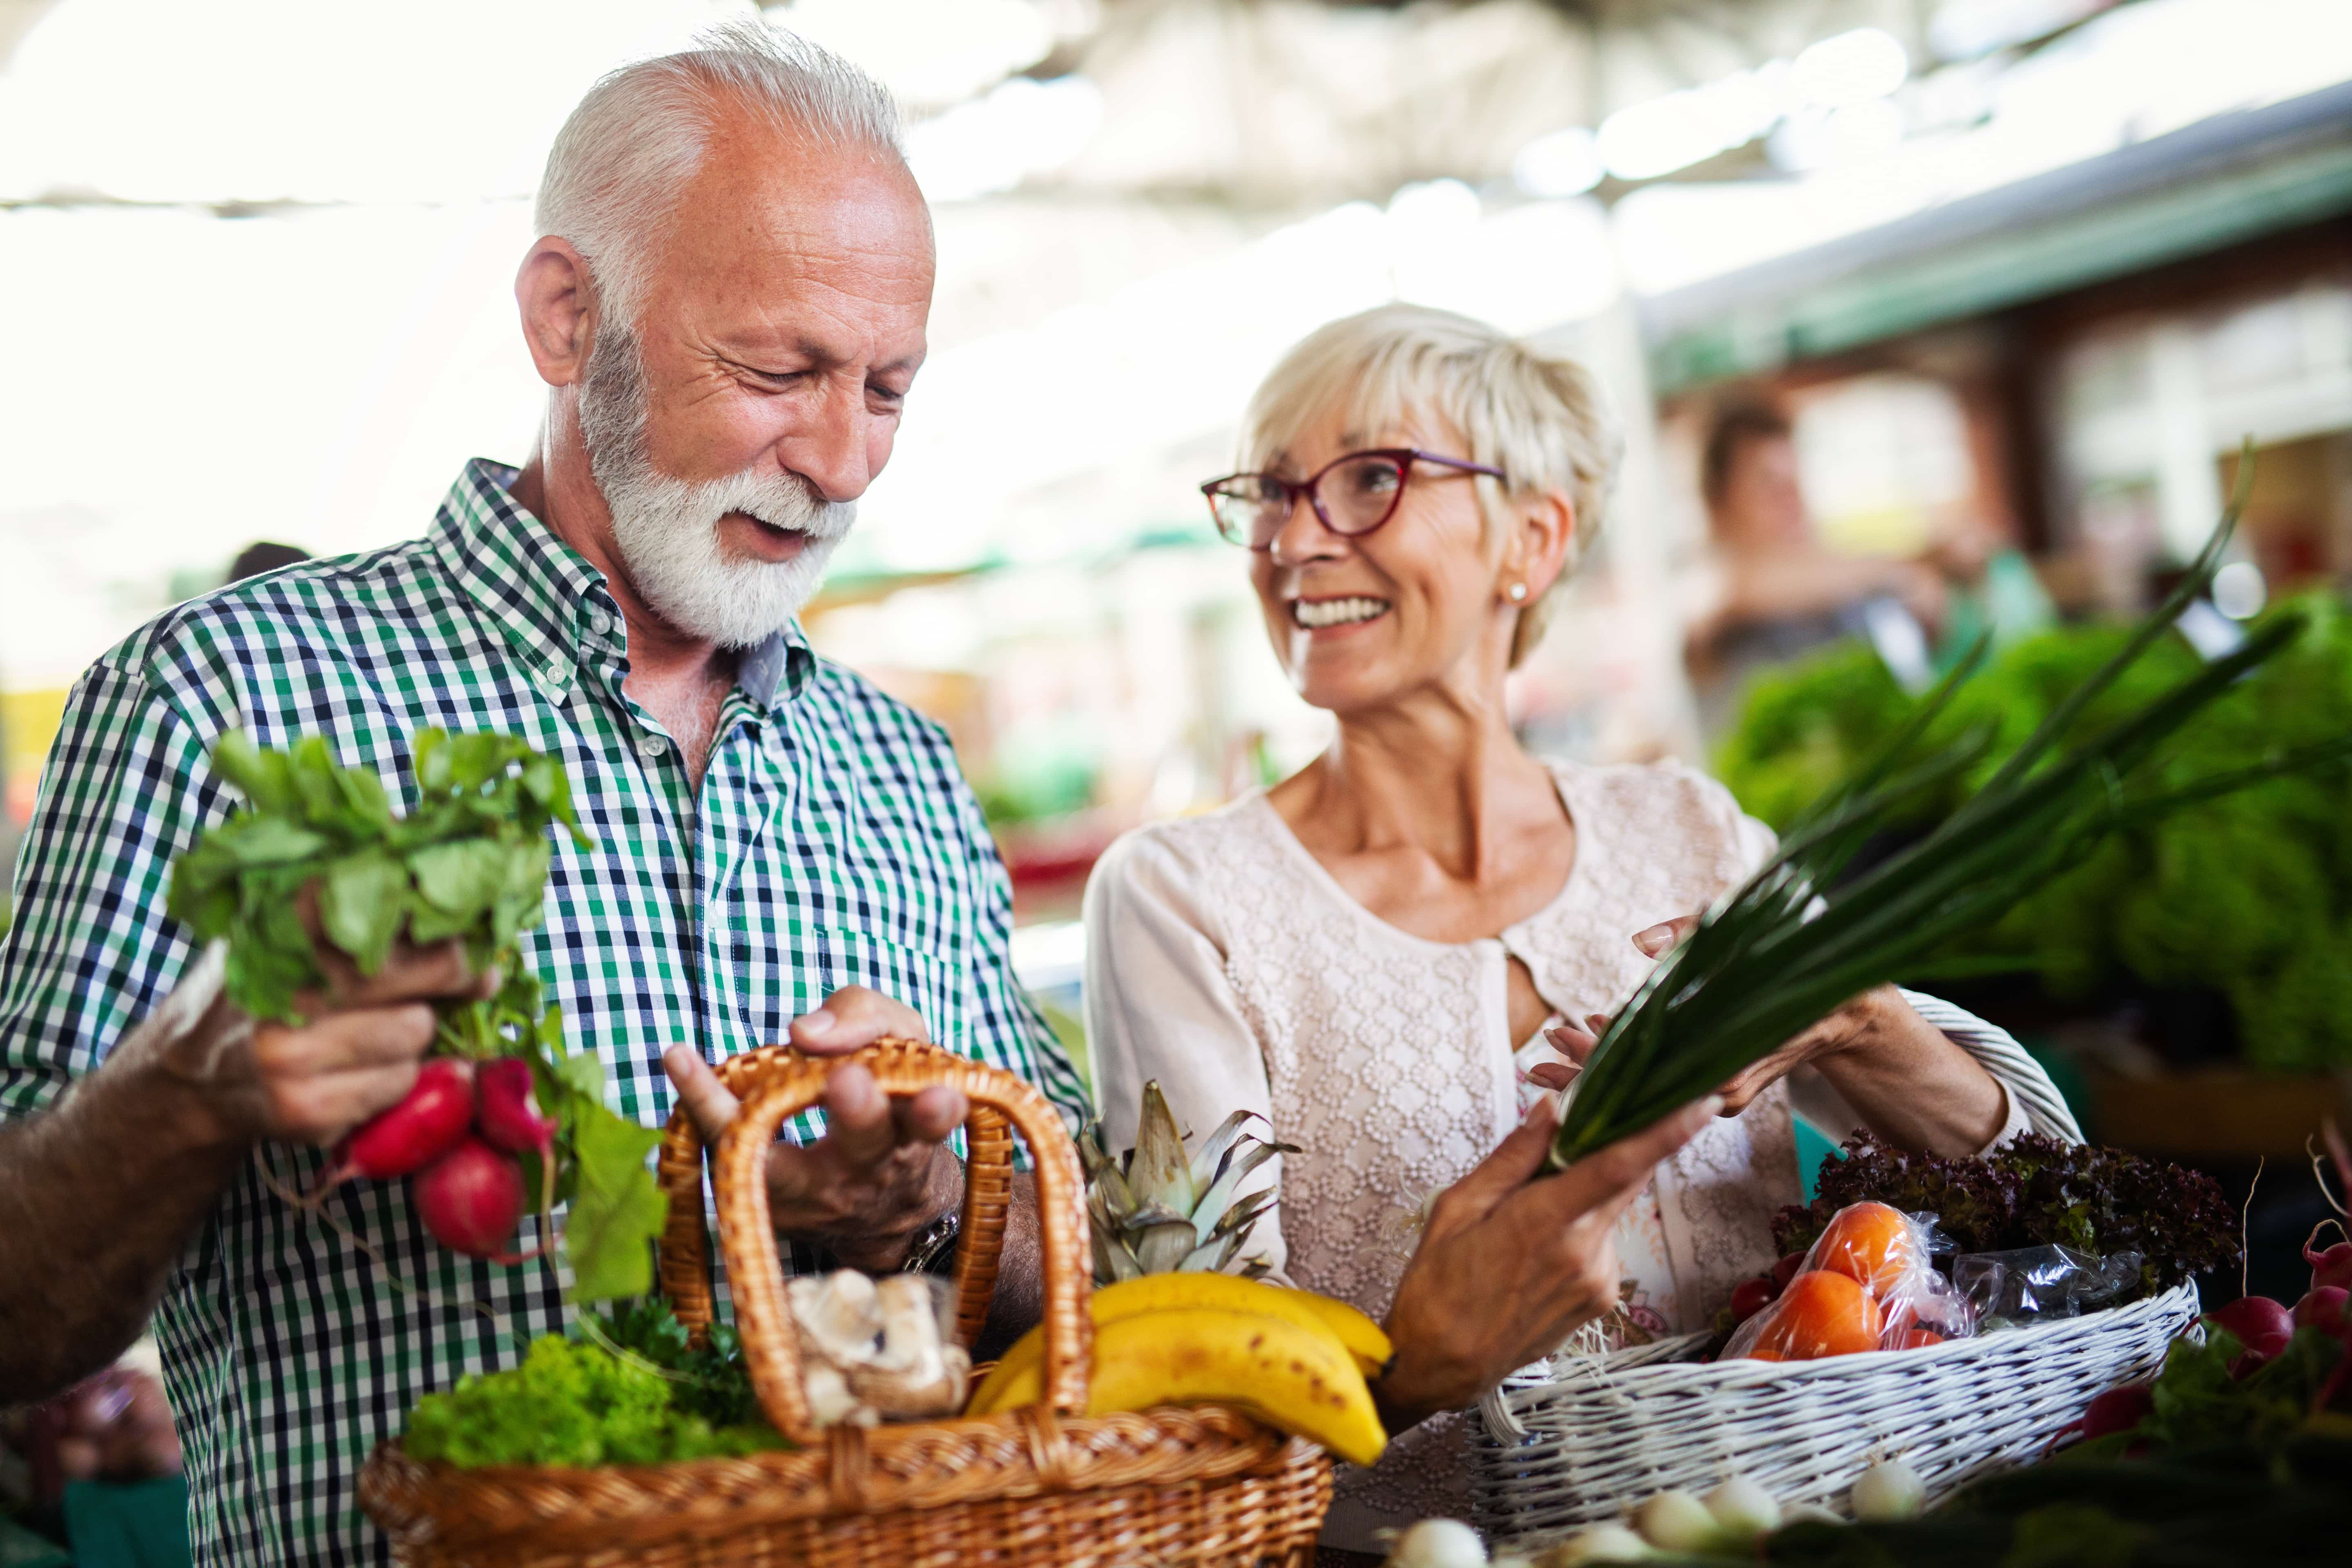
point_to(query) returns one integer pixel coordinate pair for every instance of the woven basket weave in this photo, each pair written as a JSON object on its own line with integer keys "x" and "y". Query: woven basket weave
{"x": 1205, "y": 1485}
{"x": 1607, "y": 1431}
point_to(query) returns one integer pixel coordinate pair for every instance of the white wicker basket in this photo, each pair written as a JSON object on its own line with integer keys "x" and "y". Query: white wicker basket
{"x": 1606, "y": 1431}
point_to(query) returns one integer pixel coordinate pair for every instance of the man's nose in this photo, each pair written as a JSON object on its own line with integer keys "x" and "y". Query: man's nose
{"x": 831, "y": 449}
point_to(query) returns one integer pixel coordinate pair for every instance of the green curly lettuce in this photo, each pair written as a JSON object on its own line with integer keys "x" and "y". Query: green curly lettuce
{"x": 575, "y": 1404}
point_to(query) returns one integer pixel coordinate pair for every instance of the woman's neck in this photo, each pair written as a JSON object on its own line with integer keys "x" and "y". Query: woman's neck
{"x": 1441, "y": 777}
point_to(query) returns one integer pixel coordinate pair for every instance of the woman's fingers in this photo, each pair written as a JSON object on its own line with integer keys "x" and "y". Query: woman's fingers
{"x": 1660, "y": 939}
{"x": 1603, "y": 1184}
{"x": 1515, "y": 1161}
{"x": 1552, "y": 1075}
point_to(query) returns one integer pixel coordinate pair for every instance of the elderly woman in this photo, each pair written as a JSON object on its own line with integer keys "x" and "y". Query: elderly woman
{"x": 1388, "y": 951}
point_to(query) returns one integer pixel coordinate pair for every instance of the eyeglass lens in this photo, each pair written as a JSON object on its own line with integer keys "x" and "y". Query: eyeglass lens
{"x": 1357, "y": 495}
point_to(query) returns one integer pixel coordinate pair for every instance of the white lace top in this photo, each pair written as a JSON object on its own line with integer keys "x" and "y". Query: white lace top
{"x": 1223, "y": 961}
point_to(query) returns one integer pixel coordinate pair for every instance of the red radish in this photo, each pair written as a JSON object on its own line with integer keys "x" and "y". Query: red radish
{"x": 2262, "y": 1325}
{"x": 424, "y": 1126}
{"x": 508, "y": 1108}
{"x": 1750, "y": 1297}
{"x": 2333, "y": 1267}
{"x": 2117, "y": 1410}
{"x": 1786, "y": 1271}
{"x": 470, "y": 1200}
{"x": 2323, "y": 1309}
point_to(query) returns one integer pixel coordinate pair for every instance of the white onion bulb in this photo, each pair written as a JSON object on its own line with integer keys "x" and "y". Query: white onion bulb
{"x": 1745, "y": 1510}
{"x": 1598, "y": 1544}
{"x": 1678, "y": 1521}
{"x": 1888, "y": 1490}
{"x": 1438, "y": 1543}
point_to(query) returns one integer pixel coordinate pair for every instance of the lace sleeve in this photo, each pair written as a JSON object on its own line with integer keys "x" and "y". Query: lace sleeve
{"x": 1160, "y": 1006}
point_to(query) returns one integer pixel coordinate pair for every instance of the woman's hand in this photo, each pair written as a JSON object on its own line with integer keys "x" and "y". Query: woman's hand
{"x": 1509, "y": 1266}
{"x": 1904, "y": 1078}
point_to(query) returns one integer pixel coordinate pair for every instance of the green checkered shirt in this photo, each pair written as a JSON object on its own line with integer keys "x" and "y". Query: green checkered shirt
{"x": 831, "y": 842}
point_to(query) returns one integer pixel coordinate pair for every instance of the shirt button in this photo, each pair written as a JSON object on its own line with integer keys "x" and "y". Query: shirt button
{"x": 651, "y": 746}
{"x": 599, "y": 622}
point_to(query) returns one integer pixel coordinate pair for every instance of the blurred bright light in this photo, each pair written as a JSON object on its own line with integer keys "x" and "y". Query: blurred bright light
{"x": 1432, "y": 206}
{"x": 993, "y": 143}
{"x": 931, "y": 53}
{"x": 1849, "y": 68}
{"x": 1964, "y": 29}
{"x": 1564, "y": 164}
{"x": 1645, "y": 139}
{"x": 163, "y": 100}
{"x": 1822, "y": 138}
{"x": 2238, "y": 591}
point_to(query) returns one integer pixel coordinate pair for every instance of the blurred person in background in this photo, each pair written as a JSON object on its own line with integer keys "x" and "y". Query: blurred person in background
{"x": 1397, "y": 953}
{"x": 1781, "y": 592}
{"x": 265, "y": 555}
{"x": 727, "y": 302}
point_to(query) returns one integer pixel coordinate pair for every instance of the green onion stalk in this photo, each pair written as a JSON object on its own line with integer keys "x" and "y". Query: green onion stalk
{"x": 1793, "y": 943}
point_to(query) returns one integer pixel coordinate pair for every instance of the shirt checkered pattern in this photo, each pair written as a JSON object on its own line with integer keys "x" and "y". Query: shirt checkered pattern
{"x": 832, "y": 842}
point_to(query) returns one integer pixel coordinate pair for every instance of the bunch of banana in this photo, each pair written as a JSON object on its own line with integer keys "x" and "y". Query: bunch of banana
{"x": 1294, "y": 1359}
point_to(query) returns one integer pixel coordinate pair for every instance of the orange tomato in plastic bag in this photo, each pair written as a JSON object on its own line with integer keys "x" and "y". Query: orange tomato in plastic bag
{"x": 1821, "y": 1313}
{"x": 1872, "y": 1243}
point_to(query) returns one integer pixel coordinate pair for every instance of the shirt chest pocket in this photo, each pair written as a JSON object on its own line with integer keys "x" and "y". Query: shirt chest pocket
{"x": 924, "y": 981}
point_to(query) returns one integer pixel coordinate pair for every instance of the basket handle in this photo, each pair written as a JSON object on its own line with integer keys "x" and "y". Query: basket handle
{"x": 775, "y": 1083}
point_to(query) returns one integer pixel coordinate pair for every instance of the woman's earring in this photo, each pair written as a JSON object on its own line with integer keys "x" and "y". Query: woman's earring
{"x": 1518, "y": 591}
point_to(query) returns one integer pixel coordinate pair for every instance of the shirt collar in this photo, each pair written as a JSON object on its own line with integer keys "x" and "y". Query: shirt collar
{"x": 552, "y": 606}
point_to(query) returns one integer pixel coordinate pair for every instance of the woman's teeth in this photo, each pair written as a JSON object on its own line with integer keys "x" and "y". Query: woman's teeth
{"x": 1314, "y": 612}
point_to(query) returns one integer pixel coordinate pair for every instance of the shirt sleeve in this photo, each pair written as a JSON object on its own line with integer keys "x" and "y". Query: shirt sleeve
{"x": 1159, "y": 1006}
{"x": 1010, "y": 1029}
{"x": 128, "y": 787}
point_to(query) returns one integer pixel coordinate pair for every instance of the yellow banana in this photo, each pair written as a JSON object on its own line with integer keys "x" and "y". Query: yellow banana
{"x": 1297, "y": 1378}
{"x": 1358, "y": 1334}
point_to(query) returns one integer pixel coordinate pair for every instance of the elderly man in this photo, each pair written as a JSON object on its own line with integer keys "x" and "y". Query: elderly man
{"x": 728, "y": 306}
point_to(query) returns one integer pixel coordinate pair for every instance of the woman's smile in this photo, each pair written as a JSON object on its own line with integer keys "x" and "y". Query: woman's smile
{"x": 1337, "y": 615}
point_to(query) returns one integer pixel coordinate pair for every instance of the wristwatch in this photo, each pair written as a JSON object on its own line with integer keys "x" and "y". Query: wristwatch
{"x": 933, "y": 1250}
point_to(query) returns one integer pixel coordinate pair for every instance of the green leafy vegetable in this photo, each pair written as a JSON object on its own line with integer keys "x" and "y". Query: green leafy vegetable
{"x": 1792, "y": 944}
{"x": 713, "y": 1380}
{"x": 470, "y": 863}
{"x": 2035, "y": 1191}
{"x": 572, "y": 1403}
{"x": 2249, "y": 895}
{"x": 617, "y": 1210}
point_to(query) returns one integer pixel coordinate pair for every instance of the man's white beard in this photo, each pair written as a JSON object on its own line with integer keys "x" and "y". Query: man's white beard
{"x": 666, "y": 529}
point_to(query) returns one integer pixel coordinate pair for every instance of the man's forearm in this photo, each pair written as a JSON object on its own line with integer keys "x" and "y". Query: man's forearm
{"x": 98, "y": 1198}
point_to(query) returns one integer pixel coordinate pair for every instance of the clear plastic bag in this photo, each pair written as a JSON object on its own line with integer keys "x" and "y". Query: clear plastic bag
{"x": 877, "y": 1350}
{"x": 1867, "y": 1283}
{"x": 2032, "y": 1284}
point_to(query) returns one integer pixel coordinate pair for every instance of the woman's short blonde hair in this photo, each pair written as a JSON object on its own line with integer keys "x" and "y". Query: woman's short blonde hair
{"x": 1541, "y": 417}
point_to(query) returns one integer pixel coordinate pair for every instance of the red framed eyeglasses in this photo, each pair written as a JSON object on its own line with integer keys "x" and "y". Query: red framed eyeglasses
{"x": 1365, "y": 490}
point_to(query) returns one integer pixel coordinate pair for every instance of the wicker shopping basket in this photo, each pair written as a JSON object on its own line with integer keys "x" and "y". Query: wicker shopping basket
{"x": 1199, "y": 1485}
{"x": 1604, "y": 1432}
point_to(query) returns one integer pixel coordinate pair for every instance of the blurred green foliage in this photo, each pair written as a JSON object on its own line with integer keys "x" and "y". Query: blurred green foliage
{"x": 2249, "y": 895}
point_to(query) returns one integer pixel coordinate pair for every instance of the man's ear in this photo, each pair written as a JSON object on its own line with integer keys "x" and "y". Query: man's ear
{"x": 558, "y": 310}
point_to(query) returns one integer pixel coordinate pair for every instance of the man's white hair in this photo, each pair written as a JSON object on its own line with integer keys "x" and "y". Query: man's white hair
{"x": 622, "y": 159}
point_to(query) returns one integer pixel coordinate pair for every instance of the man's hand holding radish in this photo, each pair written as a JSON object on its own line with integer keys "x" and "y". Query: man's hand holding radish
{"x": 882, "y": 1172}
{"x": 121, "y": 1173}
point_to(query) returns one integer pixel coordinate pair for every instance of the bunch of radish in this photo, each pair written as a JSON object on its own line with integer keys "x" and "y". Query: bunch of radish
{"x": 458, "y": 1131}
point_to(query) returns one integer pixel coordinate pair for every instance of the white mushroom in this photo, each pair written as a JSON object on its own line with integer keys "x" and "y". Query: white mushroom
{"x": 838, "y": 1314}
